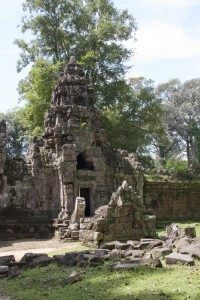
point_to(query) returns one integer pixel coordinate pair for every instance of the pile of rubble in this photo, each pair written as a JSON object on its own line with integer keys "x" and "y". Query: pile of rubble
{"x": 122, "y": 219}
{"x": 180, "y": 246}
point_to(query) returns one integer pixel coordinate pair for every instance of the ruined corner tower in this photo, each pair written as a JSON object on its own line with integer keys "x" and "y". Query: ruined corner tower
{"x": 74, "y": 137}
{"x": 71, "y": 160}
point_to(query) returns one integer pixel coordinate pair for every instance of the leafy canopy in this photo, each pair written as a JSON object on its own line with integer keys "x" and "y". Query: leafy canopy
{"x": 132, "y": 123}
{"x": 182, "y": 113}
{"x": 93, "y": 31}
{"x": 16, "y": 141}
{"x": 37, "y": 89}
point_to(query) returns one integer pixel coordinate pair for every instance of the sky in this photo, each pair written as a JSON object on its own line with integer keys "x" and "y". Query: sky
{"x": 167, "y": 46}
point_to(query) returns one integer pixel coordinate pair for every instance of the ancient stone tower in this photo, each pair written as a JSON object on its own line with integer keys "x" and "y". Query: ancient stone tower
{"x": 72, "y": 159}
{"x": 74, "y": 137}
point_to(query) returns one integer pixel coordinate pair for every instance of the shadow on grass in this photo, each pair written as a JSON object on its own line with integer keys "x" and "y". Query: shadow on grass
{"x": 102, "y": 283}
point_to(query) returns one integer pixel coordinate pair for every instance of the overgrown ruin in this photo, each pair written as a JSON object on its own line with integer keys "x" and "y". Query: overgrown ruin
{"x": 72, "y": 161}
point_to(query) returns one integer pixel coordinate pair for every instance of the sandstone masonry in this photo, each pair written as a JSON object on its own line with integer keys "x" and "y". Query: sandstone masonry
{"x": 72, "y": 159}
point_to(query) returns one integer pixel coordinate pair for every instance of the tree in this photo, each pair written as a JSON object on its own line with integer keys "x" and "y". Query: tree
{"x": 93, "y": 31}
{"x": 16, "y": 144}
{"x": 182, "y": 113}
{"x": 37, "y": 89}
{"x": 135, "y": 120}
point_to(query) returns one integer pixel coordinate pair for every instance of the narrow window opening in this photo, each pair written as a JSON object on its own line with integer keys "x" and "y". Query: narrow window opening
{"x": 83, "y": 162}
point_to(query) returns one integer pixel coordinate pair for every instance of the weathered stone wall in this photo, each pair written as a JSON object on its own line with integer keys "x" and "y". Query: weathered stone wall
{"x": 172, "y": 201}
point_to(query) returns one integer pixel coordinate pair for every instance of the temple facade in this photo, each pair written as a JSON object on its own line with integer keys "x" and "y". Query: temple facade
{"x": 72, "y": 159}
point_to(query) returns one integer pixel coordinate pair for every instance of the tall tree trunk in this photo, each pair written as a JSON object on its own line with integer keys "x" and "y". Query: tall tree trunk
{"x": 188, "y": 152}
{"x": 193, "y": 152}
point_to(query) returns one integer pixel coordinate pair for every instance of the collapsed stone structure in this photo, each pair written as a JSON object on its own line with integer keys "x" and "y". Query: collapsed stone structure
{"x": 72, "y": 159}
{"x": 122, "y": 219}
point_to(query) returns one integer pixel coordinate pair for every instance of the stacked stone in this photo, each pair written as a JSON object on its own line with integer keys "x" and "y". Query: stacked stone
{"x": 72, "y": 87}
{"x": 122, "y": 219}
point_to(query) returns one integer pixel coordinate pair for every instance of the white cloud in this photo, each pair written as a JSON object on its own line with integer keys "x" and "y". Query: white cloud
{"x": 176, "y": 3}
{"x": 163, "y": 41}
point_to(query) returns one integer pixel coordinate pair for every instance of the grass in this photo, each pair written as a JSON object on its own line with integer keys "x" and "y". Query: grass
{"x": 174, "y": 282}
{"x": 169, "y": 283}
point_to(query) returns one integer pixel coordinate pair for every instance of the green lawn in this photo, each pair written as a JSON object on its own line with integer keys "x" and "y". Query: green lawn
{"x": 175, "y": 282}
{"x": 170, "y": 282}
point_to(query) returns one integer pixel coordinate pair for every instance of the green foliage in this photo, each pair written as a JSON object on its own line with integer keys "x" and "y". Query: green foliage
{"x": 180, "y": 167}
{"x": 36, "y": 90}
{"x": 131, "y": 122}
{"x": 93, "y": 31}
{"x": 182, "y": 111}
{"x": 196, "y": 134}
{"x": 147, "y": 161}
{"x": 16, "y": 144}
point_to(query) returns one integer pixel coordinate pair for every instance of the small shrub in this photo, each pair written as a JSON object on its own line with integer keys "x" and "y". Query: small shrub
{"x": 179, "y": 167}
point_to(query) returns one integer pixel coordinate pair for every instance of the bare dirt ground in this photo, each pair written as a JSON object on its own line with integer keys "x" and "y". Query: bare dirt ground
{"x": 19, "y": 247}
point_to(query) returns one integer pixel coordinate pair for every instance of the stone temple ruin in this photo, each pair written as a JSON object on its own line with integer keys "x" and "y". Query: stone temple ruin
{"x": 72, "y": 171}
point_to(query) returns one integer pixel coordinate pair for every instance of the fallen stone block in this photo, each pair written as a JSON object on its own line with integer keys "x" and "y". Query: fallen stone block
{"x": 41, "y": 261}
{"x": 73, "y": 278}
{"x": 13, "y": 271}
{"x": 110, "y": 246}
{"x": 100, "y": 252}
{"x": 17, "y": 264}
{"x": 160, "y": 252}
{"x": 6, "y": 259}
{"x": 95, "y": 261}
{"x": 190, "y": 232}
{"x": 174, "y": 231}
{"x": 134, "y": 253}
{"x": 163, "y": 238}
{"x": 132, "y": 243}
{"x": 79, "y": 252}
{"x": 122, "y": 246}
{"x": 136, "y": 263}
{"x": 59, "y": 259}
{"x": 175, "y": 258}
{"x": 148, "y": 244}
{"x": 81, "y": 260}
{"x": 28, "y": 257}
{"x": 181, "y": 243}
{"x": 4, "y": 271}
{"x": 114, "y": 254}
{"x": 154, "y": 262}
{"x": 124, "y": 266}
{"x": 153, "y": 244}
{"x": 192, "y": 250}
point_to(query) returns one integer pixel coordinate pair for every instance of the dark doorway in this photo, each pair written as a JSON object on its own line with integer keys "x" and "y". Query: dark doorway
{"x": 85, "y": 193}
